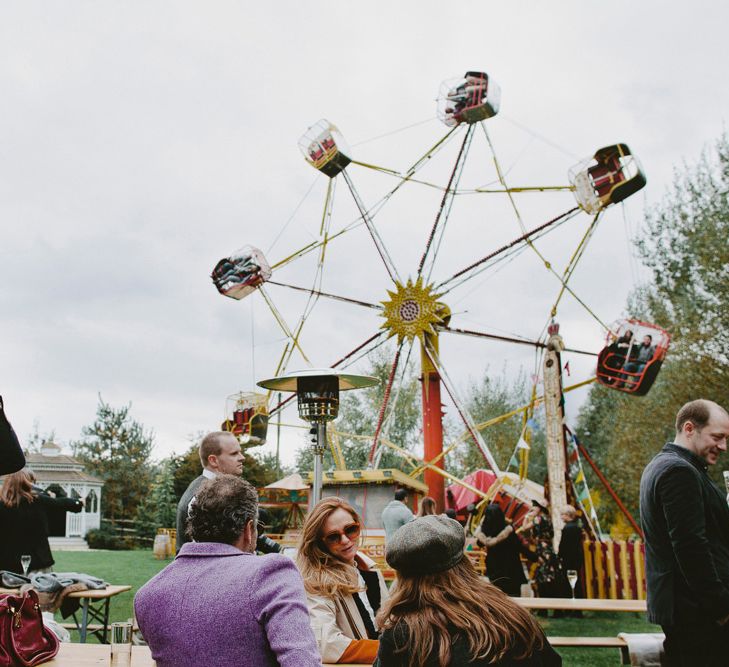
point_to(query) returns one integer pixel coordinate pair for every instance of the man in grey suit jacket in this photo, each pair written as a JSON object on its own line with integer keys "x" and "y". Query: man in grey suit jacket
{"x": 686, "y": 523}
{"x": 220, "y": 454}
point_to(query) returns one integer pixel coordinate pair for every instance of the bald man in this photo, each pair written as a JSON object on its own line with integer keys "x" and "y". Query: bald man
{"x": 686, "y": 523}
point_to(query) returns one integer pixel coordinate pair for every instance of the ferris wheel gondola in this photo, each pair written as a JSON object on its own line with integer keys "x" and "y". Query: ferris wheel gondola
{"x": 633, "y": 354}
{"x": 240, "y": 274}
{"x": 470, "y": 99}
{"x": 610, "y": 176}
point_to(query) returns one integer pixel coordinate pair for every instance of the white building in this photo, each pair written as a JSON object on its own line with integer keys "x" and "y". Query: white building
{"x": 65, "y": 476}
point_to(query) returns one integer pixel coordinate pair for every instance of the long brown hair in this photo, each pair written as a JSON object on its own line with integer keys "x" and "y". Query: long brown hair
{"x": 427, "y": 506}
{"x": 17, "y": 487}
{"x": 324, "y": 574}
{"x": 431, "y": 605}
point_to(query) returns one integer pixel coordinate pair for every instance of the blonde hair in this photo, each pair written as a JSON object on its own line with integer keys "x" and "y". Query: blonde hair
{"x": 17, "y": 487}
{"x": 324, "y": 574}
{"x": 431, "y": 606}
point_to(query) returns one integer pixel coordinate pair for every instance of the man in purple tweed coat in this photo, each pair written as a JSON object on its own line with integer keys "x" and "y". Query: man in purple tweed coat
{"x": 218, "y": 603}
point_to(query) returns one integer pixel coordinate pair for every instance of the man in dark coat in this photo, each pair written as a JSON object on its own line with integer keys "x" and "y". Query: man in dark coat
{"x": 11, "y": 455}
{"x": 686, "y": 523}
{"x": 220, "y": 454}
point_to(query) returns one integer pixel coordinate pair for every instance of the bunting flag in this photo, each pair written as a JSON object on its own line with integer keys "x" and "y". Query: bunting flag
{"x": 522, "y": 444}
{"x": 579, "y": 480}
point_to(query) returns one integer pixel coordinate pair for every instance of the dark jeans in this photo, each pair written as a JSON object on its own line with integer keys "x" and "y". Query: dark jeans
{"x": 690, "y": 645}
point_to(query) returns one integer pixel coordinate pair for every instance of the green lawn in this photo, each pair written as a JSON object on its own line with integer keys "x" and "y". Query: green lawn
{"x": 136, "y": 567}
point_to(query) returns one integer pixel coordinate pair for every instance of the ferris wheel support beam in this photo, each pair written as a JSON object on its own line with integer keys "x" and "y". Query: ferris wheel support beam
{"x": 381, "y": 249}
{"x": 554, "y": 413}
{"x": 432, "y": 421}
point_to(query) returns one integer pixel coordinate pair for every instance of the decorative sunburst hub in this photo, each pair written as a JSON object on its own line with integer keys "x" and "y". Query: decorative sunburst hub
{"x": 413, "y": 310}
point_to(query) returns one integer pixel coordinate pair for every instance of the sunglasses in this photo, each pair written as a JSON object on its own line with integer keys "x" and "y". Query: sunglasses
{"x": 351, "y": 531}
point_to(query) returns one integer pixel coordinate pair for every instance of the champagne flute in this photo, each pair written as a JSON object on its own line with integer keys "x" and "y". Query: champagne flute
{"x": 572, "y": 578}
{"x": 25, "y": 562}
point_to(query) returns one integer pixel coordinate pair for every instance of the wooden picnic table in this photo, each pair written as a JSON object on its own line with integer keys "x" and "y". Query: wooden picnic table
{"x": 98, "y": 611}
{"x": 582, "y": 604}
{"x": 88, "y": 655}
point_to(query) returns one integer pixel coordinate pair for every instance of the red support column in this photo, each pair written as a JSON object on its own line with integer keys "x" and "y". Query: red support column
{"x": 432, "y": 424}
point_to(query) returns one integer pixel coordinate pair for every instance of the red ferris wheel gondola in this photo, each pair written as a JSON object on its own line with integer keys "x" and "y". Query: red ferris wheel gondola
{"x": 633, "y": 354}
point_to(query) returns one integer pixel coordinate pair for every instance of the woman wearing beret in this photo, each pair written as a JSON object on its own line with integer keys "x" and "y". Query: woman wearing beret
{"x": 442, "y": 613}
{"x": 344, "y": 589}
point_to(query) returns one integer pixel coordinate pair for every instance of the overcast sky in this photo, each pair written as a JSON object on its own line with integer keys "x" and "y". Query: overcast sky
{"x": 142, "y": 141}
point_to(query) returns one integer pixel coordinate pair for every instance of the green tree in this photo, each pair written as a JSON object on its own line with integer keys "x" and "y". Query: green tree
{"x": 117, "y": 449}
{"x": 358, "y": 414}
{"x": 492, "y": 397}
{"x": 159, "y": 507}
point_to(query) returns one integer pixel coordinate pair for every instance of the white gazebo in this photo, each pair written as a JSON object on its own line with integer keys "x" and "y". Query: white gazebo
{"x": 64, "y": 475}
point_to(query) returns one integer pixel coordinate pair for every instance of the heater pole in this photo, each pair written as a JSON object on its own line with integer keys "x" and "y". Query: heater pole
{"x": 319, "y": 444}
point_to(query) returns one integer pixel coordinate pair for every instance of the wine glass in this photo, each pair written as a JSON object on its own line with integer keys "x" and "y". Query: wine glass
{"x": 572, "y": 578}
{"x": 25, "y": 562}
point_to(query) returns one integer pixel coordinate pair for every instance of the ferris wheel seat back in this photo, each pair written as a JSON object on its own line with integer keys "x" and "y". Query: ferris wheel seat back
{"x": 470, "y": 99}
{"x": 247, "y": 418}
{"x": 610, "y": 176}
{"x": 324, "y": 148}
{"x": 632, "y": 357}
{"x": 241, "y": 273}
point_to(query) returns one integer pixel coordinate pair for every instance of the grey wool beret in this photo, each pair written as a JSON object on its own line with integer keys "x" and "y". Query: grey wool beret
{"x": 426, "y": 545}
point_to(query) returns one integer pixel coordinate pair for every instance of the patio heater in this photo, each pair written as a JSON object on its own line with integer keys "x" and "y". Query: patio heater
{"x": 317, "y": 391}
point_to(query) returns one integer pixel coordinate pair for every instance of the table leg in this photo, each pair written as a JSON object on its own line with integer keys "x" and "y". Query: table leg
{"x": 84, "y": 621}
{"x": 106, "y": 621}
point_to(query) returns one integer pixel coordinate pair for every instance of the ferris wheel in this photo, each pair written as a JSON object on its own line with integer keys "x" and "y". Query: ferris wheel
{"x": 414, "y": 308}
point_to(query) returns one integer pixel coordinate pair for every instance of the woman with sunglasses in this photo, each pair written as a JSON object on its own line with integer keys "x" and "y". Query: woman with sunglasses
{"x": 344, "y": 588}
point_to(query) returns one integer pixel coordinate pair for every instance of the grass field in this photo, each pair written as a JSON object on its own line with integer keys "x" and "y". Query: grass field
{"x": 136, "y": 567}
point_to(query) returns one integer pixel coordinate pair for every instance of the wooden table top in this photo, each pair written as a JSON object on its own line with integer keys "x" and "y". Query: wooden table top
{"x": 582, "y": 604}
{"x": 99, "y": 594}
{"x": 88, "y": 655}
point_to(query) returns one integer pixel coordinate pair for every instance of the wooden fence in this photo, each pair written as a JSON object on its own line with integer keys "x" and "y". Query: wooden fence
{"x": 614, "y": 570}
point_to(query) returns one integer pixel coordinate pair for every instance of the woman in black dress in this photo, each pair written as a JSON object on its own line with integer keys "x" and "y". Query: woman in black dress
{"x": 503, "y": 564}
{"x": 24, "y": 522}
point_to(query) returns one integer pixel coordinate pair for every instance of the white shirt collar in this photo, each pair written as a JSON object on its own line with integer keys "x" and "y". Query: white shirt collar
{"x": 208, "y": 474}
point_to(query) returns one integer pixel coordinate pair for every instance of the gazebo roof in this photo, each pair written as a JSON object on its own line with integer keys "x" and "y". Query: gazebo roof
{"x": 50, "y": 476}
{"x": 44, "y": 461}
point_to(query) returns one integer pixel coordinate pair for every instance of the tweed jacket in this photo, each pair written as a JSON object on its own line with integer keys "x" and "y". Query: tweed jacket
{"x": 337, "y": 621}
{"x": 686, "y": 524}
{"x": 216, "y": 605}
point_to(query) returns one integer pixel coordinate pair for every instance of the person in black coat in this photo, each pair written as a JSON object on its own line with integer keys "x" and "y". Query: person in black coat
{"x": 24, "y": 522}
{"x": 686, "y": 525}
{"x": 503, "y": 564}
{"x": 441, "y": 613}
{"x": 11, "y": 455}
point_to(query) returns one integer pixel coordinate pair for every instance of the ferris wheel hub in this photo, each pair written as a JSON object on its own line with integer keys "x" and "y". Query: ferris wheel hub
{"x": 413, "y": 310}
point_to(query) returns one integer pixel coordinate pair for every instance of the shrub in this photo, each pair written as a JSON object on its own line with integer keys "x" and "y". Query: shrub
{"x": 106, "y": 538}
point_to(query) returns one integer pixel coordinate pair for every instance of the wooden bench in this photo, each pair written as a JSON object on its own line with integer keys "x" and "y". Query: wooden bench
{"x": 593, "y": 642}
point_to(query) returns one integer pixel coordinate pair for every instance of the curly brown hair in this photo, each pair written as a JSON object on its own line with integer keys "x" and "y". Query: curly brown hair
{"x": 221, "y": 509}
{"x": 431, "y": 606}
